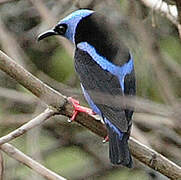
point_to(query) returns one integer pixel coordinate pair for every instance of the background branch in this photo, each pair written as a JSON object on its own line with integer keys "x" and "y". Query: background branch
{"x": 162, "y": 7}
{"x": 26, "y": 127}
{"x": 172, "y": 12}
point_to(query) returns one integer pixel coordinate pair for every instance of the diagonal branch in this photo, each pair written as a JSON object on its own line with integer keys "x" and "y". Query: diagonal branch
{"x": 33, "y": 84}
{"x": 144, "y": 154}
{"x": 47, "y": 94}
{"x": 21, "y": 157}
{"x": 154, "y": 160}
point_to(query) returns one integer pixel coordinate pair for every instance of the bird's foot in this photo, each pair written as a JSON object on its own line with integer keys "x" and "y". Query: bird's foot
{"x": 78, "y": 108}
{"x": 106, "y": 139}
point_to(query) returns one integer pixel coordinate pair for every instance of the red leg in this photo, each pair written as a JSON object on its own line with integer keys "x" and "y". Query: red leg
{"x": 106, "y": 139}
{"x": 78, "y": 108}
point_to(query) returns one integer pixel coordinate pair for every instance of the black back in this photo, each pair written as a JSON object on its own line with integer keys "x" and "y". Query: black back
{"x": 98, "y": 32}
{"x": 103, "y": 88}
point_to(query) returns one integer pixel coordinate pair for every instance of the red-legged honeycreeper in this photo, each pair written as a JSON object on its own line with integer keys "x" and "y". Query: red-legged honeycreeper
{"x": 106, "y": 71}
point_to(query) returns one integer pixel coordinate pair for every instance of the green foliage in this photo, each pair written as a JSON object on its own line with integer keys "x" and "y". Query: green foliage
{"x": 172, "y": 46}
{"x": 61, "y": 65}
{"x": 68, "y": 161}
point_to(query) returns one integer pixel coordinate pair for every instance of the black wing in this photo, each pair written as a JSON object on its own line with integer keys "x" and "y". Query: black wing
{"x": 129, "y": 89}
{"x": 102, "y": 87}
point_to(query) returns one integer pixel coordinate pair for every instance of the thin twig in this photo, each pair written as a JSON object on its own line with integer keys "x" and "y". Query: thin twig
{"x": 152, "y": 120}
{"x": 31, "y": 124}
{"x": 21, "y": 157}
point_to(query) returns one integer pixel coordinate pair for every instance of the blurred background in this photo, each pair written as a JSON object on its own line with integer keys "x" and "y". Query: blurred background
{"x": 68, "y": 149}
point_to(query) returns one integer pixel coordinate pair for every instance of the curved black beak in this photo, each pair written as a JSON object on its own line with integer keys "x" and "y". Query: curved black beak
{"x": 50, "y": 32}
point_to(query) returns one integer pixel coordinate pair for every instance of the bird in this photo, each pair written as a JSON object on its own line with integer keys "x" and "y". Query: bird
{"x": 105, "y": 68}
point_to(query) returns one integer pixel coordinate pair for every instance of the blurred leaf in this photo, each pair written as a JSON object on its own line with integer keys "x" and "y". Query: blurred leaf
{"x": 68, "y": 161}
{"x": 61, "y": 65}
{"x": 172, "y": 46}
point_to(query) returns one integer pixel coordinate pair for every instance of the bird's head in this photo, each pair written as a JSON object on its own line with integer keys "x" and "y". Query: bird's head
{"x": 67, "y": 26}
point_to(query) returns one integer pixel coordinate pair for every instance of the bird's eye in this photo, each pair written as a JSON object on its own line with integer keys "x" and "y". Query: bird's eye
{"x": 61, "y": 29}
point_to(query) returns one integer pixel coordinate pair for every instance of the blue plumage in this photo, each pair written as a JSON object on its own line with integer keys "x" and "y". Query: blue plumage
{"x": 72, "y": 20}
{"x": 105, "y": 66}
{"x": 119, "y": 71}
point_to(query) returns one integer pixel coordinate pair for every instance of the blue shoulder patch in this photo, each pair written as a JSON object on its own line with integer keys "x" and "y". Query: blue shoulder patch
{"x": 119, "y": 71}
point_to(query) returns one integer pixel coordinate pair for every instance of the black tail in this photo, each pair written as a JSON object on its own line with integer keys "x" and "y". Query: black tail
{"x": 118, "y": 149}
